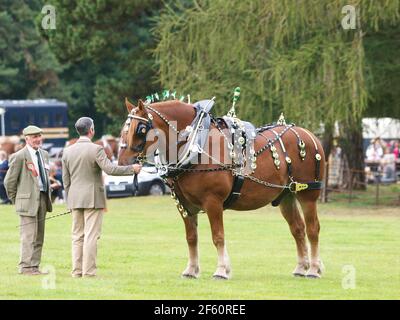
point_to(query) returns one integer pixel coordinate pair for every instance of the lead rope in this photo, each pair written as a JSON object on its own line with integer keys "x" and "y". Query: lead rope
{"x": 48, "y": 218}
{"x": 135, "y": 184}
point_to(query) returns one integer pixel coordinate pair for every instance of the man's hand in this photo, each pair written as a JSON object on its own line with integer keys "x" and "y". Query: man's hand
{"x": 137, "y": 167}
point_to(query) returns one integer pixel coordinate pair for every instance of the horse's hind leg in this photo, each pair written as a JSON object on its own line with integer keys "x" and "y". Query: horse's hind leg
{"x": 215, "y": 215}
{"x": 308, "y": 202}
{"x": 193, "y": 268}
{"x": 291, "y": 213}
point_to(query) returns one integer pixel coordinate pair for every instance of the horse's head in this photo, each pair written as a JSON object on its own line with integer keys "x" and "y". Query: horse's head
{"x": 157, "y": 125}
{"x": 133, "y": 141}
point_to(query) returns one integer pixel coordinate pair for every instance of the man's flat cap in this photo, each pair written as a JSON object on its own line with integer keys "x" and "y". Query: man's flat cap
{"x": 30, "y": 130}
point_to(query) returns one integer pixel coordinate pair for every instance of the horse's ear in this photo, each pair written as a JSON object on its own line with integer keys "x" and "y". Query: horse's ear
{"x": 141, "y": 105}
{"x": 129, "y": 106}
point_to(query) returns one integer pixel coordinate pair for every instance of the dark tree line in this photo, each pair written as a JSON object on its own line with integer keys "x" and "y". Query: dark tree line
{"x": 287, "y": 56}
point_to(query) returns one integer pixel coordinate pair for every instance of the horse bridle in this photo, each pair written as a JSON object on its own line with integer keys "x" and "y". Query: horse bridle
{"x": 143, "y": 127}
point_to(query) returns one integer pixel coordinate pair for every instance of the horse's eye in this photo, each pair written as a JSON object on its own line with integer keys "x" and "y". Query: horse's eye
{"x": 141, "y": 130}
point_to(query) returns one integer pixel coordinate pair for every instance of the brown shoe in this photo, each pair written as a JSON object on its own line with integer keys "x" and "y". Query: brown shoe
{"x": 37, "y": 272}
{"x": 31, "y": 272}
{"x": 26, "y": 271}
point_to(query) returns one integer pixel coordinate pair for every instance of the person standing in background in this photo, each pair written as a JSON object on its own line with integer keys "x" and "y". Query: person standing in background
{"x": 3, "y": 170}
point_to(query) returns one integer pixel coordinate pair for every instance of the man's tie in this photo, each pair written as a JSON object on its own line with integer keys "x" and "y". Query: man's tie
{"x": 41, "y": 171}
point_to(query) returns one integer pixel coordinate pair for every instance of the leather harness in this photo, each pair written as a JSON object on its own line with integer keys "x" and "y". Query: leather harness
{"x": 294, "y": 187}
{"x": 235, "y": 192}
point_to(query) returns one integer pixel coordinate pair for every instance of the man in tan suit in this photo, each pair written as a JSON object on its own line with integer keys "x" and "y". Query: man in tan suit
{"x": 27, "y": 185}
{"x": 83, "y": 163}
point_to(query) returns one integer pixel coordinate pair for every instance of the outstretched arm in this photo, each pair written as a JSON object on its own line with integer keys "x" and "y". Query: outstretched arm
{"x": 111, "y": 169}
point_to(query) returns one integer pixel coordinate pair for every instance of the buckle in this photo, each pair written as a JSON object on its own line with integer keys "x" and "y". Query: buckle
{"x": 296, "y": 186}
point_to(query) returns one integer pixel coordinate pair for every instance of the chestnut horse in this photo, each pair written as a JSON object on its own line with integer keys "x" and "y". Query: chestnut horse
{"x": 109, "y": 143}
{"x": 207, "y": 190}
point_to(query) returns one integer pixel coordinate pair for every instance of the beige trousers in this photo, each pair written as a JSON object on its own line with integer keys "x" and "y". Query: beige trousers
{"x": 32, "y": 237}
{"x": 86, "y": 229}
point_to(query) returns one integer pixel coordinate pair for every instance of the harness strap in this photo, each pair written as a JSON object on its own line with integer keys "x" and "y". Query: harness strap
{"x": 287, "y": 158}
{"x": 235, "y": 192}
{"x": 317, "y": 185}
{"x": 317, "y": 166}
{"x": 298, "y": 186}
{"x": 278, "y": 200}
{"x": 317, "y": 155}
{"x": 300, "y": 144}
{"x": 294, "y": 187}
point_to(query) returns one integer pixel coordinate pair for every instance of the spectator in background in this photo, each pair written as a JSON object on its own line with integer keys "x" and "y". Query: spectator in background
{"x": 58, "y": 174}
{"x": 388, "y": 164}
{"x": 335, "y": 176}
{"x": 55, "y": 184}
{"x": 374, "y": 151}
{"x": 3, "y": 170}
{"x": 396, "y": 150}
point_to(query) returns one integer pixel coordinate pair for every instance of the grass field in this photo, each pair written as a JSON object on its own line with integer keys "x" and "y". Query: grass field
{"x": 381, "y": 195}
{"x": 143, "y": 250}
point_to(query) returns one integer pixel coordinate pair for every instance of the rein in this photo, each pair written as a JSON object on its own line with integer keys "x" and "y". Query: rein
{"x": 47, "y": 218}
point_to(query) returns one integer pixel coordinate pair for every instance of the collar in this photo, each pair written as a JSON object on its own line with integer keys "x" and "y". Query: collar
{"x": 31, "y": 150}
{"x": 84, "y": 139}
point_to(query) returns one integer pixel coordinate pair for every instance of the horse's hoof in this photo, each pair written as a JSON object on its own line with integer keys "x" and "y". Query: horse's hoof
{"x": 313, "y": 276}
{"x": 219, "y": 277}
{"x": 299, "y": 275}
{"x": 189, "y": 276}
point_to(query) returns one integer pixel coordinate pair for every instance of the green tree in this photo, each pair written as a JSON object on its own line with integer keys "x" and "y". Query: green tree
{"x": 107, "y": 42}
{"x": 28, "y": 69}
{"x": 382, "y": 54}
{"x": 287, "y": 56}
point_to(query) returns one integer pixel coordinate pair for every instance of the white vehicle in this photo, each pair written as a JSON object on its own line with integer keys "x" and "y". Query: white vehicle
{"x": 149, "y": 182}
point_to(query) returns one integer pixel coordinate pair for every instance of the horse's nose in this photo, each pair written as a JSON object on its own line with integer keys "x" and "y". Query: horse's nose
{"x": 124, "y": 161}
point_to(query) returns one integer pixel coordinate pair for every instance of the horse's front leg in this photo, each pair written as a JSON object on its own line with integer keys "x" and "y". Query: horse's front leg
{"x": 214, "y": 211}
{"x": 193, "y": 268}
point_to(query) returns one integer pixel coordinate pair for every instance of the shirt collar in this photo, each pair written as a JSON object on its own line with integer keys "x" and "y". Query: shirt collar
{"x": 84, "y": 138}
{"x": 31, "y": 150}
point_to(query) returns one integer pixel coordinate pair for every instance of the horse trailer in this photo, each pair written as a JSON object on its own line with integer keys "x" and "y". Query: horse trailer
{"x": 48, "y": 114}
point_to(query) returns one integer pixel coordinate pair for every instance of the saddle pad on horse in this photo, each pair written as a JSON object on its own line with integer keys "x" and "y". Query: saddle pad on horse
{"x": 196, "y": 133}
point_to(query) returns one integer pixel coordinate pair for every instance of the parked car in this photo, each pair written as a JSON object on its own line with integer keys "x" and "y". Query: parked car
{"x": 149, "y": 182}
